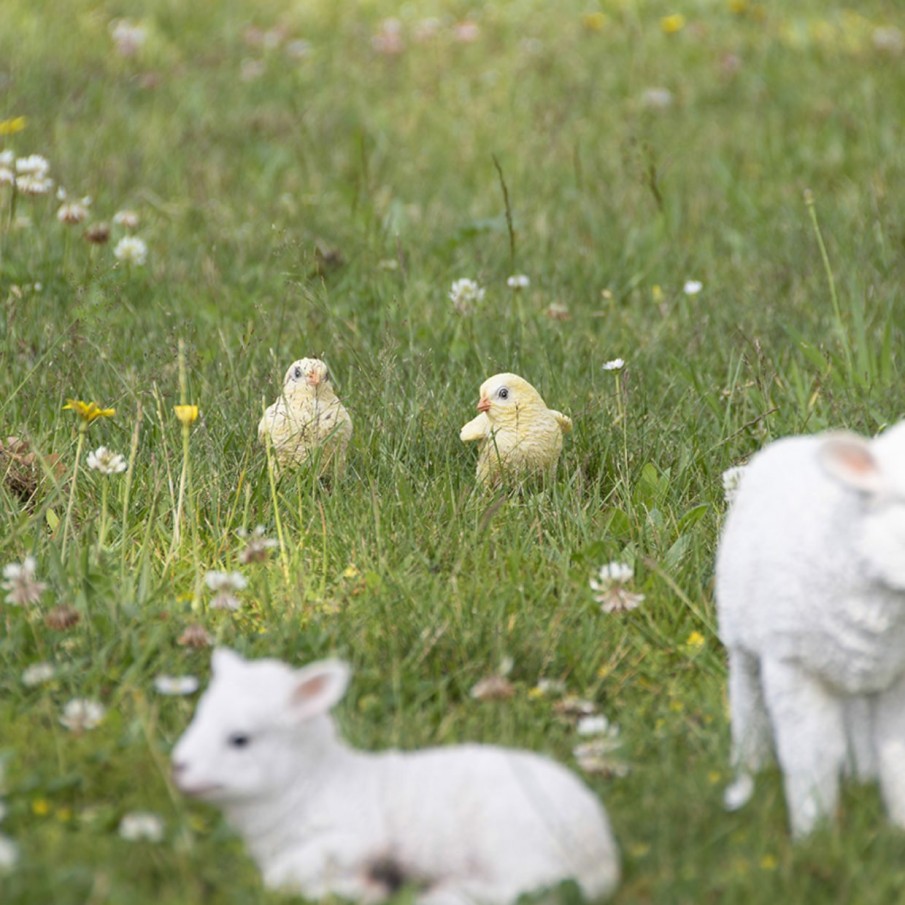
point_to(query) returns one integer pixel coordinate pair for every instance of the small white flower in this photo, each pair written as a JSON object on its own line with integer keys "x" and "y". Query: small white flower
{"x": 225, "y": 584}
{"x": 657, "y": 98}
{"x": 20, "y": 584}
{"x": 464, "y": 294}
{"x": 33, "y": 165}
{"x": 572, "y": 706}
{"x": 617, "y": 364}
{"x": 610, "y": 574}
{"x": 298, "y": 49}
{"x": 518, "y": 281}
{"x": 549, "y": 687}
{"x": 127, "y": 219}
{"x": 492, "y": 688}
{"x": 619, "y": 600}
{"x": 131, "y": 250}
{"x": 888, "y": 39}
{"x": 72, "y": 212}
{"x": 106, "y": 461}
{"x": 37, "y": 674}
{"x": 597, "y": 757}
{"x": 692, "y": 287}
{"x": 9, "y": 854}
{"x": 594, "y": 725}
{"x": 732, "y": 478}
{"x": 176, "y": 685}
{"x": 7, "y": 158}
{"x": 82, "y": 713}
{"x": 258, "y": 547}
{"x": 129, "y": 37}
{"x": 33, "y": 185}
{"x": 7, "y": 176}
{"x": 141, "y": 826}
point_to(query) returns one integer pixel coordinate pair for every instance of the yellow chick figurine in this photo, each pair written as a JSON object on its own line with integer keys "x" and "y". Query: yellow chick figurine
{"x": 307, "y": 418}
{"x": 518, "y": 435}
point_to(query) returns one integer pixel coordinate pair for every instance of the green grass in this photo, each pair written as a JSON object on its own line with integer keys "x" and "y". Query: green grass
{"x": 390, "y": 161}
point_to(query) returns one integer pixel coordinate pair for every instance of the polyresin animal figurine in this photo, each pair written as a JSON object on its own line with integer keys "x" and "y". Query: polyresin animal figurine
{"x": 464, "y": 825}
{"x": 518, "y": 436}
{"x": 810, "y": 586}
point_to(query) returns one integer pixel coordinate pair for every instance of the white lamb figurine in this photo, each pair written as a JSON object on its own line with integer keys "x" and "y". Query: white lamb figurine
{"x": 810, "y": 586}
{"x": 464, "y": 824}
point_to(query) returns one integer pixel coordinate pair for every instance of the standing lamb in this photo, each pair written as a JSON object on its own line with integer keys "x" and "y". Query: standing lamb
{"x": 810, "y": 586}
{"x": 464, "y": 824}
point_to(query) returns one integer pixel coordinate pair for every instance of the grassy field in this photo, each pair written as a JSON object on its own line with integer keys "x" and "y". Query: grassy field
{"x": 309, "y": 180}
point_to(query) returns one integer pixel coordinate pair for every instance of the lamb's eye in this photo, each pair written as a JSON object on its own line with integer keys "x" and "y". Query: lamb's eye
{"x": 239, "y": 740}
{"x": 503, "y": 393}
{"x": 297, "y": 372}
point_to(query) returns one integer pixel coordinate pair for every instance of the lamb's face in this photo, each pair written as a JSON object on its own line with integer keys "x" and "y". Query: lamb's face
{"x": 237, "y": 747}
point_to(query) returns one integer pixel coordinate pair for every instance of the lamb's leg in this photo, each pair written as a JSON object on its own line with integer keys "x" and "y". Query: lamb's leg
{"x": 809, "y": 728}
{"x": 751, "y": 739}
{"x": 859, "y": 728}
{"x": 889, "y": 738}
{"x": 464, "y": 892}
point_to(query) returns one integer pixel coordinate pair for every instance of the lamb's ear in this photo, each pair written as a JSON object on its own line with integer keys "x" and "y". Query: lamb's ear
{"x": 223, "y": 660}
{"x": 848, "y": 458}
{"x": 317, "y": 688}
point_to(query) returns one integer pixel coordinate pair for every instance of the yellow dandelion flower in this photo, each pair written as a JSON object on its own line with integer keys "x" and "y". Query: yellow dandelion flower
{"x": 739, "y": 7}
{"x": 187, "y": 414}
{"x": 12, "y": 126}
{"x": 351, "y": 571}
{"x": 714, "y": 777}
{"x": 656, "y": 293}
{"x": 595, "y": 21}
{"x": 88, "y": 411}
{"x": 671, "y": 24}
{"x": 769, "y": 862}
{"x": 40, "y": 807}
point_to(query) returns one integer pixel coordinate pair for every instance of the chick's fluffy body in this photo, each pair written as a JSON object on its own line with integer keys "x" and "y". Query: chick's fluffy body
{"x": 308, "y": 420}
{"x": 517, "y": 435}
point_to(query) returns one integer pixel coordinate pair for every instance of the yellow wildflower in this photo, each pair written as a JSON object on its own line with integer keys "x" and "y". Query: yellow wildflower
{"x": 40, "y": 807}
{"x": 351, "y": 571}
{"x": 595, "y": 21}
{"x": 12, "y": 126}
{"x": 695, "y": 641}
{"x": 88, "y": 411}
{"x": 769, "y": 862}
{"x": 187, "y": 414}
{"x": 671, "y": 24}
{"x": 656, "y": 293}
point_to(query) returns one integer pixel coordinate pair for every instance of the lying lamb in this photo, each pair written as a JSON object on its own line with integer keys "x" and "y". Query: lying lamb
{"x": 464, "y": 824}
{"x": 810, "y": 586}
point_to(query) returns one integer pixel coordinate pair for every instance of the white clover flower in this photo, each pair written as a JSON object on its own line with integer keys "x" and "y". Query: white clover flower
{"x": 106, "y": 461}
{"x": 597, "y": 757}
{"x": 610, "y": 591}
{"x": 126, "y": 219}
{"x": 692, "y": 287}
{"x": 518, "y": 281}
{"x": 9, "y": 854}
{"x": 33, "y": 185}
{"x": 72, "y": 213}
{"x": 19, "y": 583}
{"x": 258, "y": 547}
{"x": 657, "y": 98}
{"x": 7, "y": 176}
{"x": 464, "y": 294}
{"x": 129, "y": 37}
{"x": 596, "y": 725}
{"x": 38, "y": 674}
{"x": 141, "y": 826}
{"x": 617, "y": 364}
{"x": 82, "y": 713}
{"x": 732, "y": 478}
{"x": 549, "y": 687}
{"x": 7, "y": 158}
{"x": 176, "y": 685}
{"x": 33, "y": 165}
{"x": 131, "y": 250}
{"x": 225, "y": 584}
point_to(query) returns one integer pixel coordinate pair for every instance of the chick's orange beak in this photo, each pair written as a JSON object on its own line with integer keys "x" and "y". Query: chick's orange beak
{"x": 484, "y": 404}
{"x": 314, "y": 379}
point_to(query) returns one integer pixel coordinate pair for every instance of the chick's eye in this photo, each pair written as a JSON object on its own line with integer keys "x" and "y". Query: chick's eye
{"x": 239, "y": 740}
{"x": 503, "y": 393}
{"x": 297, "y": 372}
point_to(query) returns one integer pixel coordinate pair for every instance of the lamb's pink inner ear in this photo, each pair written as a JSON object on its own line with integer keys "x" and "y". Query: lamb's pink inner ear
{"x": 309, "y": 691}
{"x": 849, "y": 460}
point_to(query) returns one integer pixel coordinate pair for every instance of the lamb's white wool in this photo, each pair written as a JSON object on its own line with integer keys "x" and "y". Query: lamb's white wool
{"x": 464, "y": 824}
{"x": 810, "y": 584}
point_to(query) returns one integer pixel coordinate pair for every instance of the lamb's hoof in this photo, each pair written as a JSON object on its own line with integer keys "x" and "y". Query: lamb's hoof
{"x": 739, "y": 793}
